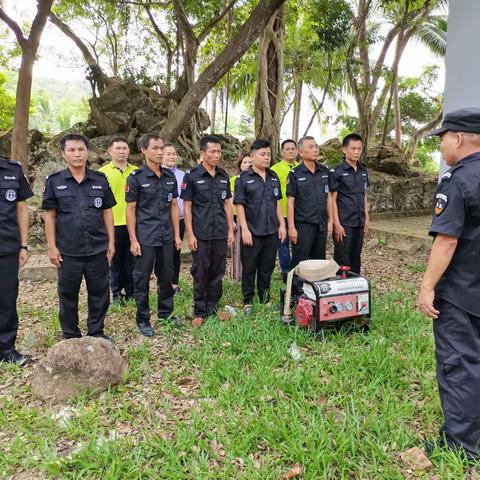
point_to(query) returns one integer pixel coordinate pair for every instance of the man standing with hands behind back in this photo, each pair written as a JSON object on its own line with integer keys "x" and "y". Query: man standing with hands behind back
{"x": 153, "y": 220}
{"x": 209, "y": 226}
{"x": 80, "y": 235}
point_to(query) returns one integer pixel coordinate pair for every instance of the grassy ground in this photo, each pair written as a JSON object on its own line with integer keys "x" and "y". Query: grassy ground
{"x": 227, "y": 401}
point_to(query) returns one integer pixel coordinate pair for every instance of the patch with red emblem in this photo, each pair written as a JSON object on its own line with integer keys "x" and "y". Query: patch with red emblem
{"x": 127, "y": 188}
{"x": 184, "y": 186}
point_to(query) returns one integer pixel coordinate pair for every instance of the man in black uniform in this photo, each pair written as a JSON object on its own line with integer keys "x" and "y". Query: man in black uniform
{"x": 80, "y": 235}
{"x": 14, "y": 191}
{"x": 450, "y": 290}
{"x": 153, "y": 223}
{"x": 259, "y": 212}
{"x": 309, "y": 205}
{"x": 209, "y": 226}
{"x": 348, "y": 184}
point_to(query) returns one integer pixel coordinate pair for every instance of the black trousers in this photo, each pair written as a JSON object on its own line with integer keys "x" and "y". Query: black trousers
{"x": 159, "y": 260}
{"x": 311, "y": 243}
{"x": 348, "y": 252}
{"x": 95, "y": 269}
{"x": 258, "y": 260}
{"x": 208, "y": 268}
{"x": 121, "y": 268}
{"x": 177, "y": 256}
{"x": 457, "y": 348}
{"x": 8, "y": 302}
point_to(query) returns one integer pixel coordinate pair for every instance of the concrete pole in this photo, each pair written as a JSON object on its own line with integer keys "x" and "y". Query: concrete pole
{"x": 462, "y": 65}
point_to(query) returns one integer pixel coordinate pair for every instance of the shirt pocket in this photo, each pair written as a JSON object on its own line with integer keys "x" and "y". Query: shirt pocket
{"x": 65, "y": 201}
{"x": 202, "y": 191}
{"x": 168, "y": 193}
{"x": 95, "y": 199}
{"x": 222, "y": 190}
{"x": 253, "y": 193}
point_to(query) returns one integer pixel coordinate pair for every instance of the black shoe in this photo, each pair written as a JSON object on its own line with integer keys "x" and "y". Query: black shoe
{"x": 172, "y": 319}
{"x": 102, "y": 335}
{"x": 15, "y": 357}
{"x": 146, "y": 329}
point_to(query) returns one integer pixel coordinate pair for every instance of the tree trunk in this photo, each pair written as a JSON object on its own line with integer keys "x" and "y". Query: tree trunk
{"x": 232, "y": 52}
{"x": 397, "y": 115}
{"x": 213, "y": 110}
{"x": 269, "y": 87}
{"x": 297, "y": 105}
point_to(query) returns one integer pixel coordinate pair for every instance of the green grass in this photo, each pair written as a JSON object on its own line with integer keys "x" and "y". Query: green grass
{"x": 228, "y": 402}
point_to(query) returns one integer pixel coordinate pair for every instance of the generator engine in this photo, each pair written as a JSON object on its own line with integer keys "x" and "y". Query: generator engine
{"x": 328, "y": 303}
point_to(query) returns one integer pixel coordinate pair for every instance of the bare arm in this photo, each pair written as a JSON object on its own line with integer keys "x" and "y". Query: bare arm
{"x": 187, "y": 212}
{"x": 330, "y": 214}
{"x": 441, "y": 255}
{"x": 22, "y": 221}
{"x": 367, "y": 217}
{"x": 292, "y": 231}
{"x": 132, "y": 228}
{"x": 282, "y": 231}
{"x": 50, "y": 232}
{"x": 228, "y": 210}
{"x": 175, "y": 213}
{"x": 339, "y": 231}
{"x": 242, "y": 220}
{"x": 110, "y": 227}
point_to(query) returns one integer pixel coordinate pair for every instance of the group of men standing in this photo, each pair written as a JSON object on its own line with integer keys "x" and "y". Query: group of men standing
{"x": 117, "y": 225}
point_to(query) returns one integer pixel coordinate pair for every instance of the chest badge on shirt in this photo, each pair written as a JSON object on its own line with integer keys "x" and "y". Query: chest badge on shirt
{"x": 11, "y": 195}
{"x": 440, "y": 203}
{"x": 98, "y": 202}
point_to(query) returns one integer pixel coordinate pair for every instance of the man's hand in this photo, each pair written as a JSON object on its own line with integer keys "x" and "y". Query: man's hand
{"x": 55, "y": 256}
{"x": 365, "y": 227}
{"x": 230, "y": 238}
{"x": 339, "y": 232}
{"x": 136, "y": 249}
{"x": 329, "y": 228}
{"x": 110, "y": 252}
{"x": 192, "y": 242}
{"x": 178, "y": 243}
{"x": 425, "y": 302}
{"x": 22, "y": 257}
{"x": 293, "y": 235}
{"x": 247, "y": 237}
{"x": 282, "y": 232}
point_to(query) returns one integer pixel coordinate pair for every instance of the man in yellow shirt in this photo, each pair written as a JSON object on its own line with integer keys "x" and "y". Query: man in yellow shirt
{"x": 282, "y": 169}
{"x": 121, "y": 268}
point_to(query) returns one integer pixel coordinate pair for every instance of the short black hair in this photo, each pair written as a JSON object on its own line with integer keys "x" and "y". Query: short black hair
{"x": 115, "y": 139}
{"x": 168, "y": 144}
{"x": 72, "y": 136}
{"x": 351, "y": 137}
{"x": 258, "y": 144}
{"x": 288, "y": 140}
{"x": 144, "y": 141}
{"x": 204, "y": 141}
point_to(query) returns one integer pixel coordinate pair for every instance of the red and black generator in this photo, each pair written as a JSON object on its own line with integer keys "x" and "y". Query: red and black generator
{"x": 330, "y": 303}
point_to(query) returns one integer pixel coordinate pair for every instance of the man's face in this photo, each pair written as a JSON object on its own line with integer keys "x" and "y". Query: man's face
{"x": 261, "y": 158}
{"x": 353, "y": 151}
{"x": 154, "y": 152}
{"x": 212, "y": 154}
{"x": 289, "y": 152}
{"x": 170, "y": 157}
{"x": 75, "y": 153}
{"x": 448, "y": 147}
{"x": 309, "y": 150}
{"x": 119, "y": 152}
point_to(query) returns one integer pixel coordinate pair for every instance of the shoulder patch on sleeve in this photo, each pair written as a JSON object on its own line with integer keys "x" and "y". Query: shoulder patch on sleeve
{"x": 441, "y": 201}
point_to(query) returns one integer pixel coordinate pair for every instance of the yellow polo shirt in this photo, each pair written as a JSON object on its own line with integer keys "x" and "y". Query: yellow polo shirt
{"x": 117, "y": 180}
{"x": 282, "y": 169}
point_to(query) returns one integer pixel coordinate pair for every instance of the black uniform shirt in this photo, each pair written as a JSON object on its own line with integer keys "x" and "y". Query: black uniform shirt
{"x": 80, "y": 227}
{"x": 310, "y": 191}
{"x": 457, "y": 214}
{"x": 351, "y": 187}
{"x": 259, "y": 198}
{"x": 13, "y": 188}
{"x": 154, "y": 195}
{"x": 208, "y": 195}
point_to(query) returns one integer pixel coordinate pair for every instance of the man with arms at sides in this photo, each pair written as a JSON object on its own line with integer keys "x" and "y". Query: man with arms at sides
{"x": 282, "y": 169}
{"x": 170, "y": 162}
{"x": 310, "y": 219}
{"x": 14, "y": 191}
{"x": 209, "y": 226}
{"x": 80, "y": 235}
{"x": 450, "y": 289}
{"x": 349, "y": 184}
{"x": 259, "y": 211}
{"x": 121, "y": 268}
{"x": 153, "y": 225}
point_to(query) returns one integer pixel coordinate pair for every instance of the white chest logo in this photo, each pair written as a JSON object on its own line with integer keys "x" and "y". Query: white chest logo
{"x": 96, "y": 187}
{"x": 61, "y": 187}
{"x": 11, "y": 195}
{"x": 98, "y": 202}
{"x": 250, "y": 181}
